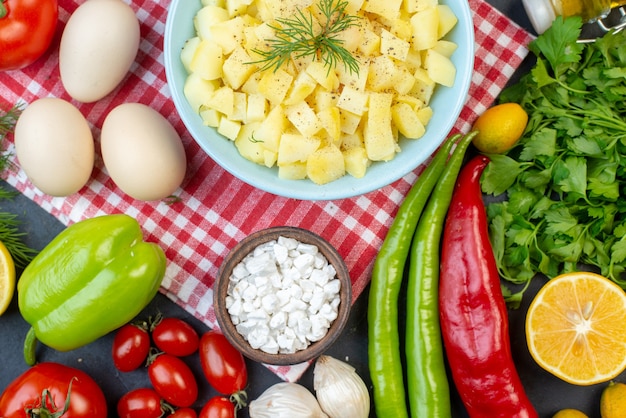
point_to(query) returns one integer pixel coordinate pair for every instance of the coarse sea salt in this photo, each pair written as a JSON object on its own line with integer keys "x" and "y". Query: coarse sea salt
{"x": 283, "y": 296}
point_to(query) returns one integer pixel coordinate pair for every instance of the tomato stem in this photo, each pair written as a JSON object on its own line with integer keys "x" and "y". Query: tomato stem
{"x": 3, "y": 9}
{"x": 239, "y": 399}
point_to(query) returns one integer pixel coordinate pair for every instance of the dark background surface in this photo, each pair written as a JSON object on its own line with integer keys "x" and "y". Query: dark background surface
{"x": 547, "y": 393}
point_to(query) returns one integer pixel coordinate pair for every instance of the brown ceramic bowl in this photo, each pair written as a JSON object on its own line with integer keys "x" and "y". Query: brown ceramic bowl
{"x": 237, "y": 254}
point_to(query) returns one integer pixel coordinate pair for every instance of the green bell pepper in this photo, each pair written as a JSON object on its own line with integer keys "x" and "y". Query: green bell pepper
{"x": 92, "y": 278}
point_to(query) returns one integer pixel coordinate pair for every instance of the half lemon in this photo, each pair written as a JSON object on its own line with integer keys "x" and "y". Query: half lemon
{"x": 575, "y": 328}
{"x": 7, "y": 278}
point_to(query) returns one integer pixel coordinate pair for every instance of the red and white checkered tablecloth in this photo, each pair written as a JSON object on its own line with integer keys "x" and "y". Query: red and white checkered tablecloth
{"x": 217, "y": 210}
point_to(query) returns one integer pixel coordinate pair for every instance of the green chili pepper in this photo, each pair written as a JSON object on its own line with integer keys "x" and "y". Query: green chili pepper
{"x": 385, "y": 363}
{"x": 92, "y": 278}
{"x": 427, "y": 382}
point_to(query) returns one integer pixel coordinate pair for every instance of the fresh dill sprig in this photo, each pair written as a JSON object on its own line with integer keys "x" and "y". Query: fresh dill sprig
{"x": 300, "y": 36}
{"x": 11, "y": 237}
{"x": 8, "y": 119}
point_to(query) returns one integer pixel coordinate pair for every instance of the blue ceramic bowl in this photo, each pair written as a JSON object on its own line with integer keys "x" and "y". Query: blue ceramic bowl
{"x": 446, "y": 103}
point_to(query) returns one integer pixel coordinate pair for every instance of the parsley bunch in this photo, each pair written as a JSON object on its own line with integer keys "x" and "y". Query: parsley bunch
{"x": 558, "y": 207}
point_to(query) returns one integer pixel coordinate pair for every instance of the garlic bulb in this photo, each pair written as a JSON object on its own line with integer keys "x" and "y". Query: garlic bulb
{"x": 286, "y": 400}
{"x": 339, "y": 389}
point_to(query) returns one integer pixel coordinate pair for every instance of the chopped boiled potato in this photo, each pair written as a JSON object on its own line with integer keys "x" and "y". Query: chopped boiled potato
{"x": 413, "y": 6}
{"x": 445, "y": 48}
{"x": 380, "y": 143}
{"x": 208, "y": 60}
{"x": 305, "y": 118}
{"x": 302, "y": 86}
{"x": 425, "y": 28}
{"x": 271, "y": 128}
{"x": 349, "y": 122}
{"x": 197, "y": 89}
{"x": 188, "y": 51}
{"x": 210, "y": 117}
{"x": 222, "y": 100}
{"x": 388, "y": 9}
{"x": 207, "y": 17}
{"x": 370, "y": 44}
{"x": 228, "y": 34}
{"x": 356, "y": 161}
{"x": 237, "y": 68}
{"x": 447, "y": 20}
{"x": 407, "y": 121}
{"x": 354, "y": 140}
{"x": 424, "y": 86}
{"x": 236, "y": 7}
{"x": 296, "y": 148}
{"x": 353, "y": 100}
{"x": 330, "y": 118}
{"x": 321, "y": 75}
{"x": 439, "y": 67}
{"x": 382, "y": 73}
{"x": 326, "y": 164}
{"x": 274, "y": 85}
{"x": 393, "y": 46}
{"x": 292, "y": 171}
{"x": 247, "y": 146}
{"x": 240, "y": 107}
{"x": 229, "y": 128}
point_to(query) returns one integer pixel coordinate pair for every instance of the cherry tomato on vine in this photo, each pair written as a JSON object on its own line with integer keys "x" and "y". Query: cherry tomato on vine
{"x": 173, "y": 380}
{"x": 46, "y": 386}
{"x": 223, "y": 365}
{"x": 175, "y": 336}
{"x": 184, "y": 413}
{"x": 26, "y": 31}
{"x": 140, "y": 403}
{"x": 131, "y": 346}
{"x": 218, "y": 407}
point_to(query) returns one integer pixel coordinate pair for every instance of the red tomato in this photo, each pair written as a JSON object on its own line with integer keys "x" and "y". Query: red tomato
{"x": 26, "y": 30}
{"x": 27, "y": 390}
{"x": 131, "y": 346}
{"x": 140, "y": 403}
{"x": 218, "y": 407}
{"x": 184, "y": 413}
{"x": 176, "y": 337}
{"x": 173, "y": 380}
{"x": 223, "y": 365}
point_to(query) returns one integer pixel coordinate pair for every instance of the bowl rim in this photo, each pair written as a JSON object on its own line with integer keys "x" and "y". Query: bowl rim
{"x": 380, "y": 174}
{"x": 244, "y": 247}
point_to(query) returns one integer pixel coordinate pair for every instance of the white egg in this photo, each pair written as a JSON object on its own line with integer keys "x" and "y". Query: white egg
{"x": 54, "y": 146}
{"x": 142, "y": 152}
{"x": 98, "y": 46}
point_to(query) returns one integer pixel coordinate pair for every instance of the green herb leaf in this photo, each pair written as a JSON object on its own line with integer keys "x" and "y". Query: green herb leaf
{"x": 302, "y": 36}
{"x": 559, "y": 205}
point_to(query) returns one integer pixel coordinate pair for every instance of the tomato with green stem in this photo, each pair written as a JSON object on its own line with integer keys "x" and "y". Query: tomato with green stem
{"x": 140, "y": 403}
{"x": 218, "y": 407}
{"x": 26, "y": 31}
{"x": 223, "y": 365}
{"x": 131, "y": 346}
{"x": 175, "y": 336}
{"x": 53, "y": 390}
{"x": 184, "y": 413}
{"x": 173, "y": 379}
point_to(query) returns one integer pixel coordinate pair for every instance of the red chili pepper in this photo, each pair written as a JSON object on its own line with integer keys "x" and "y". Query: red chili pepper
{"x": 473, "y": 313}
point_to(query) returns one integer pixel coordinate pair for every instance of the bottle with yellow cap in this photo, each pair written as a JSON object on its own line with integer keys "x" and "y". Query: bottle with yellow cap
{"x": 541, "y": 13}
